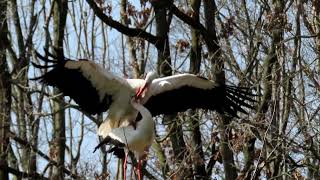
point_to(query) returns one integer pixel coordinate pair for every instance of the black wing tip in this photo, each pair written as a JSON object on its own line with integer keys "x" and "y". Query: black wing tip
{"x": 46, "y": 50}
{"x": 237, "y": 99}
{"x": 51, "y": 58}
{"x": 42, "y": 66}
{"x": 243, "y": 90}
{"x": 45, "y": 59}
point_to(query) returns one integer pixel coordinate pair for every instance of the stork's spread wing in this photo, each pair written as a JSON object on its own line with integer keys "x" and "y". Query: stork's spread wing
{"x": 186, "y": 91}
{"x": 88, "y": 84}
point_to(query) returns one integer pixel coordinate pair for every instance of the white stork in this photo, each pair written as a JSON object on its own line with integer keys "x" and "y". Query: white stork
{"x": 96, "y": 90}
{"x": 138, "y": 140}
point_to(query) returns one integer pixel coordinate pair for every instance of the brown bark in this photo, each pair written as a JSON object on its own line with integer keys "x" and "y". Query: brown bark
{"x": 59, "y": 137}
{"x": 5, "y": 94}
{"x": 194, "y": 121}
{"x": 20, "y": 69}
{"x": 179, "y": 147}
{"x": 43, "y": 155}
{"x": 164, "y": 69}
{"x": 130, "y": 41}
{"x": 195, "y": 54}
{"x": 316, "y": 22}
{"x": 162, "y": 30}
{"x": 161, "y": 158}
{"x": 207, "y": 32}
{"x": 218, "y": 75}
{"x": 270, "y": 75}
{"x": 132, "y": 32}
{"x": 313, "y": 171}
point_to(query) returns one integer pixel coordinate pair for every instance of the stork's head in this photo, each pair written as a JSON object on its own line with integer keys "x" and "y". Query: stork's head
{"x": 148, "y": 80}
{"x": 151, "y": 76}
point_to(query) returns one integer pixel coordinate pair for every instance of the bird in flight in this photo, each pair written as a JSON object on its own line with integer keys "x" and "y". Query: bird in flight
{"x": 97, "y": 90}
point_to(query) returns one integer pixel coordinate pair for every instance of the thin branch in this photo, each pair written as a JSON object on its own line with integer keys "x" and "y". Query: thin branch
{"x": 21, "y": 174}
{"x": 43, "y": 155}
{"x": 212, "y": 46}
{"x": 131, "y": 32}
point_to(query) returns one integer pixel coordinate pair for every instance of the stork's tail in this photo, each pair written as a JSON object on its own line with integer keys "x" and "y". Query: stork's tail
{"x": 117, "y": 150}
{"x": 238, "y": 98}
{"x": 104, "y": 141}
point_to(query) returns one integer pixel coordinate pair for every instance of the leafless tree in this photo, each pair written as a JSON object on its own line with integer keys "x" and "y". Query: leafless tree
{"x": 273, "y": 47}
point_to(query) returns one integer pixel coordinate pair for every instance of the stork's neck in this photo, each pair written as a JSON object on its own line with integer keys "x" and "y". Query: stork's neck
{"x": 146, "y": 120}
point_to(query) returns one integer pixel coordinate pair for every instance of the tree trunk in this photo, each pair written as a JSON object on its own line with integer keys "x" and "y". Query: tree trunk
{"x": 159, "y": 152}
{"x": 194, "y": 121}
{"x": 314, "y": 172}
{"x": 131, "y": 45}
{"x": 5, "y": 94}
{"x": 218, "y": 75}
{"x": 162, "y": 29}
{"x": 316, "y": 22}
{"x": 59, "y": 136}
{"x": 164, "y": 69}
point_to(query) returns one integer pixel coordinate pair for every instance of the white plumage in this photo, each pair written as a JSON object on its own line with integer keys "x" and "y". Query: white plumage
{"x": 170, "y": 83}
{"x": 136, "y": 139}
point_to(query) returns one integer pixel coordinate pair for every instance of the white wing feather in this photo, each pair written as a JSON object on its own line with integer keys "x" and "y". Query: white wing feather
{"x": 103, "y": 81}
{"x": 164, "y": 84}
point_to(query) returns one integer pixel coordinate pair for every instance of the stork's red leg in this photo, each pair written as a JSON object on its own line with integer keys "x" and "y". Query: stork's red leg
{"x": 139, "y": 169}
{"x": 125, "y": 167}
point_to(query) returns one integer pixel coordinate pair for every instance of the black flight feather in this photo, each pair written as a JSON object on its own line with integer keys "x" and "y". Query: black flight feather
{"x": 74, "y": 84}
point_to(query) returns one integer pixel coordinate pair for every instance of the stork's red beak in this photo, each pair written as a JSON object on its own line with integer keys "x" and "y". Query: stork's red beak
{"x": 140, "y": 91}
